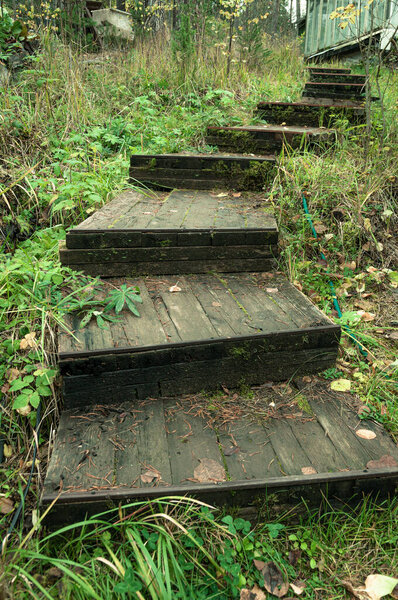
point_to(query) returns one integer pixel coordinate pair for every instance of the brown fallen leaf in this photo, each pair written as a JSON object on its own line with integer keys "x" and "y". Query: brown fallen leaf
{"x": 393, "y": 335}
{"x": 150, "y": 476}
{"x": 209, "y": 470}
{"x": 216, "y": 304}
{"x": 28, "y": 341}
{"x": 6, "y": 505}
{"x": 383, "y": 462}
{"x": 275, "y": 582}
{"x": 237, "y": 194}
{"x": 366, "y": 434}
{"x": 174, "y": 288}
{"x": 366, "y": 316}
{"x": 271, "y": 290}
{"x": 320, "y": 228}
{"x": 254, "y": 594}
{"x": 298, "y": 587}
{"x": 259, "y": 564}
{"x": 308, "y": 471}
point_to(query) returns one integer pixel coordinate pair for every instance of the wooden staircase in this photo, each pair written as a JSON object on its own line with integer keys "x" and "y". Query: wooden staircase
{"x": 216, "y": 317}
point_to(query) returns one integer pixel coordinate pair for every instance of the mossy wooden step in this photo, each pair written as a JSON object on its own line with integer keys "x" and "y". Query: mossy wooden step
{"x": 202, "y": 171}
{"x": 328, "y": 70}
{"x": 311, "y": 114}
{"x": 214, "y": 330}
{"x": 268, "y": 138}
{"x": 183, "y": 231}
{"x": 337, "y": 77}
{"x": 349, "y": 91}
{"x": 120, "y": 453}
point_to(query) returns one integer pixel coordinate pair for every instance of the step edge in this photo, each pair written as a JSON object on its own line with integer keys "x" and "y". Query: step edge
{"x": 327, "y": 327}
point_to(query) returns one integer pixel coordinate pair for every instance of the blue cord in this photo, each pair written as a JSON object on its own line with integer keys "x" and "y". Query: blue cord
{"x": 333, "y": 289}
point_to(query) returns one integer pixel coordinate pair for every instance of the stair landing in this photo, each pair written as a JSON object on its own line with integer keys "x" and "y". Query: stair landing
{"x": 227, "y": 449}
{"x": 183, "y": 231}
{"x": 196, "y": 332}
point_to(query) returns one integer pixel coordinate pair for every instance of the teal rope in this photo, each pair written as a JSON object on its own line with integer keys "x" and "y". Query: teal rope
{"x": 333, "y": 289}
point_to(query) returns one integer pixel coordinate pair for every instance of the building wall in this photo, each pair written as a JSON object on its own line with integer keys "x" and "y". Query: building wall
{"x": 323, "y": 33}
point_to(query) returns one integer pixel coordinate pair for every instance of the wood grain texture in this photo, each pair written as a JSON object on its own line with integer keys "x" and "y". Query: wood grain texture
{"x": 170, "y": 439}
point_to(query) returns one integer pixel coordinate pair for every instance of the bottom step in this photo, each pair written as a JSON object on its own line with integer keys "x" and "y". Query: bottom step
{"x": 224, "y": 450}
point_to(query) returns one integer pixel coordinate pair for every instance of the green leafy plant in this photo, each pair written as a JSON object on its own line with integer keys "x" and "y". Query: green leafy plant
{"x": 125, "y": 296}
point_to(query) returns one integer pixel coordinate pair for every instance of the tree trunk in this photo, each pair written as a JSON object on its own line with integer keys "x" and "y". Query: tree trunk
{"x": 275, "y": 15}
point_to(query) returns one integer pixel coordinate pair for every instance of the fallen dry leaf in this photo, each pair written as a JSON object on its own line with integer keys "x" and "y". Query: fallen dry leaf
{"x": 222, "y": 195}
{"x": 174, "y": 288}
{"x": 308, "y": 471}
{"x": 209, "y": 470}
{"x": 6, "y": 505}
{"x": 254, "y": 594}
{"x": 378, "y": 586}
{"x": 298, "y": 587}
{"x": 150, "y": 476}
{"x": 24, "y": 410}
{"x": 393, "y": 335}
{"x": 275, "y": 582}
{"x": 341, "y": 385}
{"x": 366, "y": 434}
{"x": 28, "y": 341}
{"x": 271, "y": 290}
{"x": 216, "y": 304}
{"x": 384, "y": 462}
{"x": 319, "y": 228}
{"x": 237, "y": 194}
{"x": 366, "y": 316}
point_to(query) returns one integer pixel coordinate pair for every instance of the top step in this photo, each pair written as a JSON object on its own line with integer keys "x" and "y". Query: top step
{"x": 202, "y": 171}
{"x": 316, "y": 69}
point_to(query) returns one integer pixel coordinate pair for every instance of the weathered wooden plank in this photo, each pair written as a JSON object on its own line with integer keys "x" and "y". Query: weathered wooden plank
{"x": 186, "y": 162}
{"x": 190, "y": 440}
{"x": 337, "y": 431}
{"x": 195, "y": 376}
{"x": 74, "y": 506}
{"x": 337, "y": 77}
{"x": 307, "y": 113}
{"x": 178, "y": 253}
{"x": 325, "y": 70}
{"x": 173, "y": 211}
{"x": 174, "y": 267}
{"x": 187, "y": 313}
{"x": 248, "y": 452}
{"x": 291, "y": 456}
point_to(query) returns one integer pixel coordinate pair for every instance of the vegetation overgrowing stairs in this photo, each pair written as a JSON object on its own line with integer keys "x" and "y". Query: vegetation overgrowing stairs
{"x": 214, "y": 313}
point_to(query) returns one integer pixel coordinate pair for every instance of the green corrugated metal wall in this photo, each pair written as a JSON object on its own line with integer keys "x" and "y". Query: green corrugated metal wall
{"x": 323, "y": 33}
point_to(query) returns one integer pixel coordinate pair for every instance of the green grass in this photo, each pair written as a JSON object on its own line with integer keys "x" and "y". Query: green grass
{"x": 179, "y": 548}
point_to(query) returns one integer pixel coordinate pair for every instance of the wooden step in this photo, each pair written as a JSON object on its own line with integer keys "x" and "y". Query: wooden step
{"x": 183, "y": 231}
{"x": 311, "y": 114}
{"x": 349, "y": 91}
{"x": 120, "y": 453}
{"x": 330, "y": 70}
{"x": 268, "y": 138}
{"x": 215, "y": 330}
{"x": 202, "y": 171}
{"x": 337, "y": 77}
